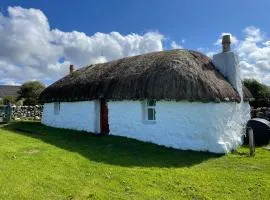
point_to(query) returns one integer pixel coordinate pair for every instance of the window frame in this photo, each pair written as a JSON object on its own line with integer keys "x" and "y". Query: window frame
{"x": 150, "y": 106}
{"x": 56, "y": 108}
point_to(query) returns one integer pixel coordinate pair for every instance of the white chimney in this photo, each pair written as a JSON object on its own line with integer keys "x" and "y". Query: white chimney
{"x": 227, "y": 63}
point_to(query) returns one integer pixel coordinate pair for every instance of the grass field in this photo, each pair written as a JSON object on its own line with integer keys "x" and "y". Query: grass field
{"x": 38, "y": 162}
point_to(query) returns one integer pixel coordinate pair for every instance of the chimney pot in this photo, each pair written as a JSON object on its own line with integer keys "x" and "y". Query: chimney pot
{"x": 71, "y": 69}
{"x": 226, "y": 43}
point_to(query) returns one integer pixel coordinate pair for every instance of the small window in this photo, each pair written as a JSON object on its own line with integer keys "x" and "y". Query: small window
{"x": 151, "y": 110}
{"x": 56, "y": 108}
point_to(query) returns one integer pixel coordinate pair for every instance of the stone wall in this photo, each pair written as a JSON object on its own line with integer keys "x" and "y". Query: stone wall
{"x": 263, "y": 112}
{"x": 27, "y": 112}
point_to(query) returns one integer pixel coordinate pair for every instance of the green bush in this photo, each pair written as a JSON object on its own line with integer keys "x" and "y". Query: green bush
{"x": 30, "y": 92}
{"x": 9, "y": 99}
{"x": 260, "y": 92}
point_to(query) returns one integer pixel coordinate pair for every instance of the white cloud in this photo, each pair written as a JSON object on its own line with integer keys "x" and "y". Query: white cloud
{"x": 30, "y": 49}
{"x": 174, "y": 45}
{"x": 210, "y": 54}
{"x": 254, "y": 55}
{"x": 253, "y": 52}
{"x": 9, "y": 82}
{"x": 100, "y": 47}
{"x": 253, "y": 34}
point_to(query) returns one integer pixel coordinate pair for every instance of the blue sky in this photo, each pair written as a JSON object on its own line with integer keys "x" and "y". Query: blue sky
{"x": 188, "y": 24}
{"x": 198, "y": 22}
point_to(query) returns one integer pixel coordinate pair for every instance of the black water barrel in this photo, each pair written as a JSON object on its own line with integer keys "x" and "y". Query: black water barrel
{"x": 261, "y": 131}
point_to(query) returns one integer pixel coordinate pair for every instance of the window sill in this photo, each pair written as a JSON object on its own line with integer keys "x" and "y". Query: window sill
{"x": 149, "y": 122}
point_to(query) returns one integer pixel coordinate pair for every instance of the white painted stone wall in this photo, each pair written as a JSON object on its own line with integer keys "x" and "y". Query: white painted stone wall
{"x": 82, "y": 115}
{"x": 214, "y": 127}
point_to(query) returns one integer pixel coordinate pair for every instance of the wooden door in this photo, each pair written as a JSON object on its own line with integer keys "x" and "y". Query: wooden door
{"x": 104, "y": 124}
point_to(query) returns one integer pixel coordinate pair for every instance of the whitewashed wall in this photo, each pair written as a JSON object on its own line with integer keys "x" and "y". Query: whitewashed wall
{"x": 82, "y": 115}
{"x": 214, "y": 127}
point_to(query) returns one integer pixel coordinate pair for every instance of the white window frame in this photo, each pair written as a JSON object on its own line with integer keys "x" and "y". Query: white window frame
{"x": 150, "y": 107}
{"x": 56, "y": 108}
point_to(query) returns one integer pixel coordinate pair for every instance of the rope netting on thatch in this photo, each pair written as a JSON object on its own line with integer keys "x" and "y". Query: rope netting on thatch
{"x": 169, "y": 75}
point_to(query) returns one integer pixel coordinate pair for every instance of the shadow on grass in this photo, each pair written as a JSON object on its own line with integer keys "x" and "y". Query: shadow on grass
{"x": 112, "y": 150}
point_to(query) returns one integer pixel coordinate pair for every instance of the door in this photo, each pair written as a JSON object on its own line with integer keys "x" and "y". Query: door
{"x": 104, "y": 124}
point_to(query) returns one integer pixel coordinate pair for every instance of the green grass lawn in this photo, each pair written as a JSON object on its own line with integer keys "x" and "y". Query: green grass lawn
{"x": 38, "y": 162}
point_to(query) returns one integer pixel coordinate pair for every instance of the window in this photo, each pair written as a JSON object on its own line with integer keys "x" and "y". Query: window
{"x": 151, "y": 110}
{"x": 56, "y": 108}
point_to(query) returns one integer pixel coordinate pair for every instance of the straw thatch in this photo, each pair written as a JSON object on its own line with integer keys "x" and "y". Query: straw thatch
{"x": 170, "y": 75}
{"x": 247, "y": 96}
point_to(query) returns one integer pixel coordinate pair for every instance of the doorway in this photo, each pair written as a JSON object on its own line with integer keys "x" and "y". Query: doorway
{"x": 104, "y": 124}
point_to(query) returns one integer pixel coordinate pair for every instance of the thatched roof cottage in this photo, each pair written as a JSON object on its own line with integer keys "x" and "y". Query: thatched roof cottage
{"x": 177, "y": 98}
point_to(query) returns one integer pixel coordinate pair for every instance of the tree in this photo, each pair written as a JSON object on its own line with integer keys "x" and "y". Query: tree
{"x": 9, "y": 99}
{"x": 30, "y": 92}
{"x": 259, "y": 91}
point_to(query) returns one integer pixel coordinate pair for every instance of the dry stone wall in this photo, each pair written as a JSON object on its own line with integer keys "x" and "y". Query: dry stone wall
{"x": 27, "y": 112}
{"x": 263, "y": 112}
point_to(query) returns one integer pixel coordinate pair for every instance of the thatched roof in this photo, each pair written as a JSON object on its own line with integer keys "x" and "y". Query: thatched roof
{"x": 9, "y": 90}
{"x": 170, "y": 75}
{"x": 247, "y": 94}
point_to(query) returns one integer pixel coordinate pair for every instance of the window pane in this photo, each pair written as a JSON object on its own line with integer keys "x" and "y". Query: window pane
{"x": 56, "y": 108}
{"x": 151, "y": 103}
{"x": 151, "y": 114}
